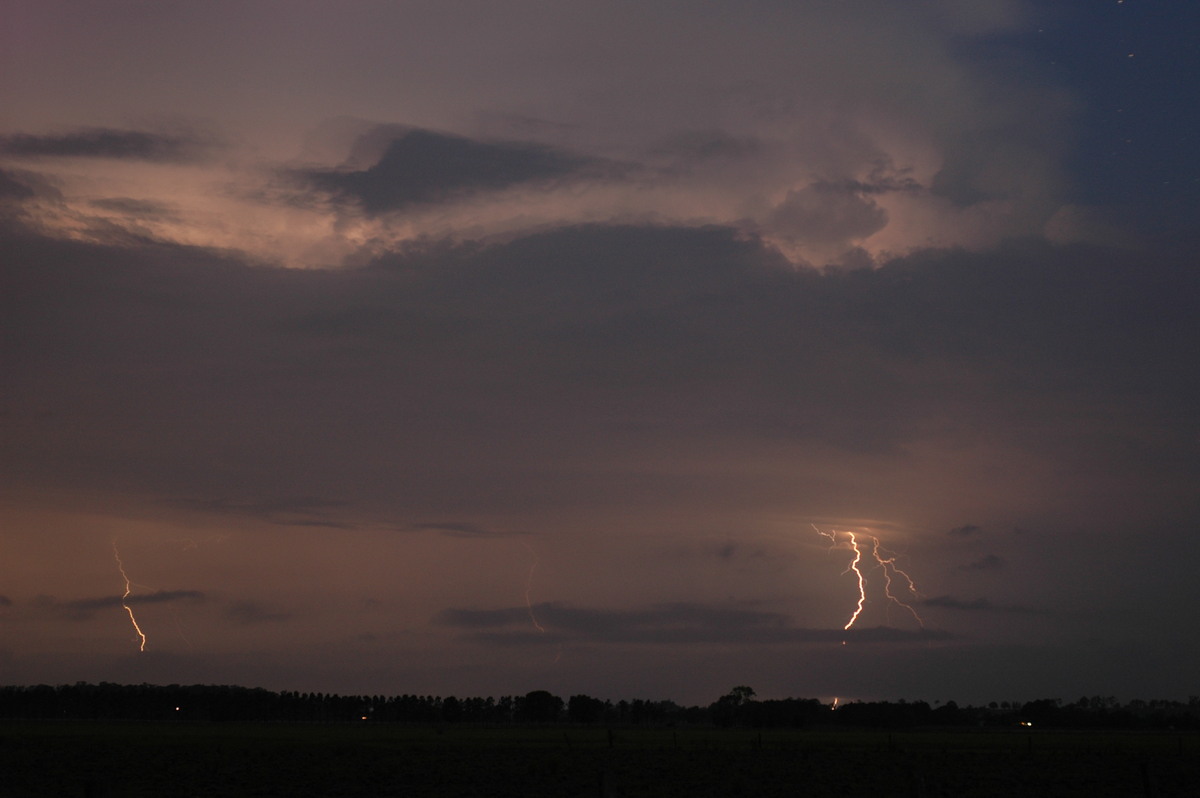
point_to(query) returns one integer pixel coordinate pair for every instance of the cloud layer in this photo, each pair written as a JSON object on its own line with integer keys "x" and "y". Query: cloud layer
{"x": 550, "y": 345}
{"x": 421, "y": 166}
{"x": 100, "y": 143}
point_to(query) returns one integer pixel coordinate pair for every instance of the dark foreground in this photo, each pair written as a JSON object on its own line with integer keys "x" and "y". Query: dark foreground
{"x": 114, "y": 760}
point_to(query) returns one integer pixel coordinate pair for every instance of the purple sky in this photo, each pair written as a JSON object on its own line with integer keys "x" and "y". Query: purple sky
{"x": 476, "y": 348}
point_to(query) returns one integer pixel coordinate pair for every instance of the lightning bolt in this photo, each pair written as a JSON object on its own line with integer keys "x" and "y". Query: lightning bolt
{"x": 885, "y": 560}
{"x": 862, "y": 584}
{"x": 529, "y": 587}
{"x": 128, "y": 590}
{"x": 888, "y": 564}
{"x": 528, "y": 601}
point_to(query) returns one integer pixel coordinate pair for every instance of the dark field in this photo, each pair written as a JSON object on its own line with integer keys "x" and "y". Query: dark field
{"x": 111, "y": 759}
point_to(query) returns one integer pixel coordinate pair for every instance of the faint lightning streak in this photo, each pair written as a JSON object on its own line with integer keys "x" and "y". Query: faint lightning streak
{"x": 888, "y": 564}
{"x": 128, "y": 590}
{"x": 529, "y": 602}
{"x": 529, "y": 588}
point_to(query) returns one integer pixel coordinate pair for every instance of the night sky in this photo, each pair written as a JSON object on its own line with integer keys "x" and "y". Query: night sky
{"x": 474, "y": 348}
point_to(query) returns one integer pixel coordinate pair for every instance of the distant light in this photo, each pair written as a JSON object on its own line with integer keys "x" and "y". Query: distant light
{"x": 364, "y": 717}
{"x": 1026, "y": 723}
{"x": 176, "y": 709}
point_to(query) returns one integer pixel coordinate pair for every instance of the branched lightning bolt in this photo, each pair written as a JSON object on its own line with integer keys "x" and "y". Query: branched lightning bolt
{"x": 862, "y": 585}
{"x": 125, "y": 595}
{"x": 888, "y": 564}
{"x": 884, "y": 560}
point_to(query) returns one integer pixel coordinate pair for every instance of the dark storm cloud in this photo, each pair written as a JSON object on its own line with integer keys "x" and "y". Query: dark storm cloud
{"x": 144, "y": 209}
{"x": 103, "y": 143}
{"x": 19, "y": 186}
{"x": 989, "y": 562}
{"x": 977, "y": 605}
{"x": 965, "y": 530}
{"x": 877, "y": 184}
{"x": 486, "y": 619}
{"x": 5, "y": 601}
{"x": 247, "y": 613}
{"x": 422, "y": 166}
{"x": 456, "y": 376}
{"x": 13, "y": 188}
{"x": 663, "y": 624}
{"x": 699, "y": 636}
{"x": 82, "y": 609}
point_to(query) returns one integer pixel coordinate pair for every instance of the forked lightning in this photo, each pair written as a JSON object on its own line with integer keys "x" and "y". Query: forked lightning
{"x": 884, "y": 560}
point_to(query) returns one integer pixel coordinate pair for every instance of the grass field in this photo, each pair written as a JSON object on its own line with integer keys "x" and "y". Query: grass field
{"x": 115, "y": 760}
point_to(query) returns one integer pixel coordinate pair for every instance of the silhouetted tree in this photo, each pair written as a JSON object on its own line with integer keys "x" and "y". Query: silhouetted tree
{"x": 452, "y": 709}
{"x": 539, "y": 706}
{"x": 731, "y": 707}
{"x": 738, "y": 707}
{"x": 585, "y": 709}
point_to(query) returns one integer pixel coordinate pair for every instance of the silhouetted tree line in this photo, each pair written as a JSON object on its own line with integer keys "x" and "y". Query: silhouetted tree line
{"x": 107, "y": 701}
